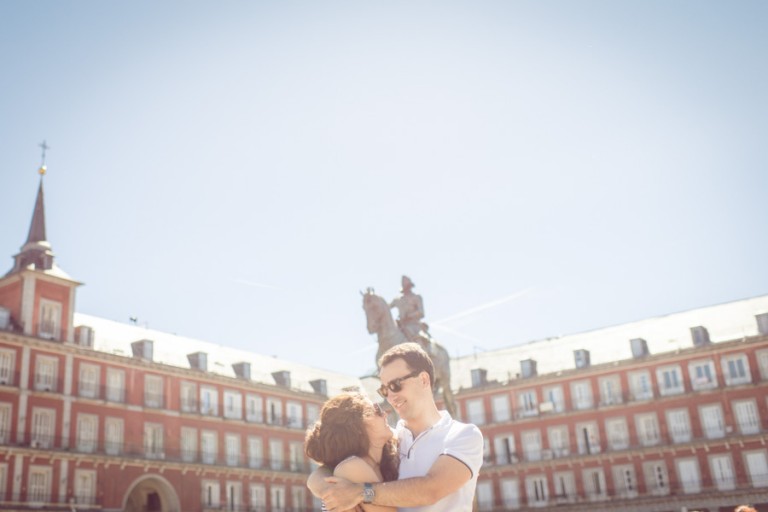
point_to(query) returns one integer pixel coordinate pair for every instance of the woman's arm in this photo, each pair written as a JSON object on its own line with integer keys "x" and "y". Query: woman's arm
{"x": 357, "y": 470}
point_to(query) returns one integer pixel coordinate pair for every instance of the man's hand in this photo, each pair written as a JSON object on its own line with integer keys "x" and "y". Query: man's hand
{"x": 341, "y": 494}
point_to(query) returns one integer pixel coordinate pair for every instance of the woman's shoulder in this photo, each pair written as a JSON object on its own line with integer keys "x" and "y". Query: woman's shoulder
{"x": 355, "y": 469}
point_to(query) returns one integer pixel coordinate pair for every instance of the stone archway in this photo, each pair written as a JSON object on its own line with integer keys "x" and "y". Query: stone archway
{"x": 151, "y": 493}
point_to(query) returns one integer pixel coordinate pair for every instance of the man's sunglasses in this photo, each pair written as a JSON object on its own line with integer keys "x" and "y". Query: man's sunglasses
{"x": 395, "y": 385}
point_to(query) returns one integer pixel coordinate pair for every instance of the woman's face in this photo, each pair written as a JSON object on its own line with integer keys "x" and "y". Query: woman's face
{"x": 376, "y": 425}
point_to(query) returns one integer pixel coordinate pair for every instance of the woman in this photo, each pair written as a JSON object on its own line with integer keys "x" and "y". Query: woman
{"x": 352, "y": 438}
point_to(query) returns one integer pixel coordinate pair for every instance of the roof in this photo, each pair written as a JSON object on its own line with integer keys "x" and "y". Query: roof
{"x": 724, "y": 322}
{"x": 171, "y": 349}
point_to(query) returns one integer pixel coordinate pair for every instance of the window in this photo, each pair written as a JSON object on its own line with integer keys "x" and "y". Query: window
{"x": 153, "y": 441}
{"x": 88, "y": 383}
{"x": 85, "y": 486}
{"x": 233, "y": 405}
{"x": 313, "y": 413}
{"x": 274, "y": 411}
{"x": 50, "y": 320}
{"x": 43, "y": 425}
{"x": 39, "y": 484}
{"x": 670, "y": 380}
{"x": 115, "y": 385}
{"x": 712, "y": 421}
{"x": 87, "y": 432}
{"x": 254, "y": 406}
{"x": 295, "y": 456}
{"x": 295, "y": 416}
{"x": 688, "y": 473}
{"x": 531, "y": 441}
{"x": 258, "y": 497}
{"x": 277, "y": 494}
{"x": 476, "y": 412}
{"x": 581, "y": 394}
{"x": 232, "y": 447}
{"x": 209, "y": 446}
{"x": 276, "y": 454}
{"x": 558, "y": 441}
{"x": 594, "y": 484}
{"x": 211, "y": 493}
{"x": 721, "y": 469}
{"x": 527, "y": 403}
{"x": 298, "y": 495}
{"x": 762, "y": 363}
{"x": 656, "y": 478}
{"x": 618, "y": 433}
{"x": 3, "y": 481}
{"x": 255, "y": 452}
{"x": 500, "y": 408}
{"x": 647, "y": 429}
{"x": 757, "y": 467}
{"x": 510, "y": 493}
{"x": 565, "y": 487}
{"x": 7, "y": 367}
{"x": 747, "y": 416}
{"x": 188, "y": 444}
{"x": 234, "y": 496}
{"x": 504, "y": 447}
{"x": 113, "y": 435}
{"x": 587, "y": 438}
{"x": 536, "y": 489}
{"x": 46, "y": 373}
{"x": 153, "y": 391}
{"x": 209, "y": 401}
{"x": 6, "y": 413}
{"x": 736, "y": 370}
{"x": 625, "y": 481}
{"x": 640, "y": 383}
{"x": 702, "y": 374}
{"x": 554, "y": 395}
{"x": 484, "y": 491}
{"x": 679, "y": 425}
{"x": 487, "y": 451}
{"x": 188, "y": 396}
{"x": 610, "y": 390}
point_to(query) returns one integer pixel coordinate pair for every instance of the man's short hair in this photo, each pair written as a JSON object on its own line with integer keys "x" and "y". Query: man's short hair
{"x": 413, "y": 355}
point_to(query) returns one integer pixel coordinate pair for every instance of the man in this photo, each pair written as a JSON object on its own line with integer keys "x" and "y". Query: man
{"x": 410, "y": 309}
{"x": 439, "y": 457}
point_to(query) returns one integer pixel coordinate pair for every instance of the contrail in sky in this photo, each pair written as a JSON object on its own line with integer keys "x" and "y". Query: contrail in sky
{"x": 257, "y": 285}
{"x": 482, "y": 307}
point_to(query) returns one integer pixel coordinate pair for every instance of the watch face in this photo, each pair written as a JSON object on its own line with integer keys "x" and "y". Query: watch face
{"x": 368, "y": 493}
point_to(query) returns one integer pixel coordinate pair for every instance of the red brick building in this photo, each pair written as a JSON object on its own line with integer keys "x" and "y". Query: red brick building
{"x": 685, "y": 428}
{"x": 115, "y": 417}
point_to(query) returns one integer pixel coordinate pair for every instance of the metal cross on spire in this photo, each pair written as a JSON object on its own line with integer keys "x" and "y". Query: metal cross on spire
{"x": 42, "y": 164}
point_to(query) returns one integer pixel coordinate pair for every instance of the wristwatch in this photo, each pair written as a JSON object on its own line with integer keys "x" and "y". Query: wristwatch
{"x": 368, "y": 493}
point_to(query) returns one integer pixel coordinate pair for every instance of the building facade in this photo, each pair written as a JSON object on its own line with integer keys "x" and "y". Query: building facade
{"x": 85, "y": 428}
{"x": 678, "y": 430}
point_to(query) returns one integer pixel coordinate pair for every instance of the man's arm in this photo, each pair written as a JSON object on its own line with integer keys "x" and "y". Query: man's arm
{"x": 316, "y": 481}
{"x": 446, "y": 476}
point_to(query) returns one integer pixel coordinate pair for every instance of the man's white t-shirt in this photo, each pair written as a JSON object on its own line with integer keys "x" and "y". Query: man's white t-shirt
{"x": 447, "y": 437}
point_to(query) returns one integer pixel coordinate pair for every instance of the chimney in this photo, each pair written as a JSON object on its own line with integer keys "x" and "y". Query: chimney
{"x": 762, "y": 323}
{"x": 242, "y": 370}
{"x": 282, "y": 378}
{"x": 479, "y": 377}
{"x": 320, "y": 386}
{"x": 528, "y": 368}
{"x": 639, "y": 348}
{"x": 581, "y": 358}
{"x": 142, "y": 349}
{"x": 198, "y": 361}
{"x": 700, "y": 336}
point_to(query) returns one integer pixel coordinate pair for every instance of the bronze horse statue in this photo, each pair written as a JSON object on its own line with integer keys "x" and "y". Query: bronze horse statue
{"x": 381, "y": 323}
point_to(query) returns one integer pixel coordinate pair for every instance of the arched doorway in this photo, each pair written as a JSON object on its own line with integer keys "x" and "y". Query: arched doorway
{"x": 151, "y": 493}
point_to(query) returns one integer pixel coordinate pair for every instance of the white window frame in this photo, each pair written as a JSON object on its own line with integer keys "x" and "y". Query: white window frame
{"x": 656, "y": 477}
{"x": 595, "y": 488}
{"x": 537, "y": 490}
{"x": 756, "y": 464}
{"x": 88, "y": 382}
{"x": 625, "y": 481}
{"x": 295, "y": 456}
{"x": 648, "y": 429}
{"x": 154, "y": 440}
{"x": 254, "y": 408}
{"x": 277, "y": 498}
{"x": 614, "y": 427}
{"x": 115, "y": 391}
{"x": 85, "y": 486}
{"x": 209, "y": 446}
{"x": 7, "y": 366}
{"x": 257, "y": 494}
{"x": 211, "y": 493}
{"x": 43, "y": 427}
{"x": 736, "y": 362}
{"x": 87, "y": 432}
{"x": 484, "y": 495}
{"x": 555, "y": 396}
{"x": 528, "y": 403}
{"x": 188, "y": 396}
{"x": 530, "y": 440}
{"x": 641, "y": 385}
{"x": 276, "y": 454}
{"x": 475, "y": 411}
{"x": 49, "y": 327}
{"x": 255, "y": 451}
{"x": 209, "y": 401}
{"x": 298, "y": 497}
{"x": 294, "y": 414}
{"x": 500, "y": 410}
{"x": 274, "y": 411}
{"x": 6, "y": 421}
{"x": 747, "y": 416}
{"x": 559, "y": 440}
{"x": 188, "y": 444}
{"x": 762, "y": 363}
{"x": 721, "y": 469}
{"x": 712, "y": 420}
{"x": 3, "y": 481}
{"x": 234, "y": 496}
{"x": 510, "y": 493}
{"x": 39, "y": 482}
{"x": 46, "y": 373}
{"x": 679, "y": 425}
{"x": 504, "y": 449}
{"x": 233, "y": 404}
{"x": 591, "y": 443}
{"x": 581, "y": 395}
{"x": 565, "y": 487}
{"x": 153, "y": 391}
{"x": 610, "y": 390}
{"x": 689, "y": 475}
{"x": 114, "y": 431}
{"x": 702, "y": 374}
{"x": 232, "y": 449}
{"x": 670, "y": 379}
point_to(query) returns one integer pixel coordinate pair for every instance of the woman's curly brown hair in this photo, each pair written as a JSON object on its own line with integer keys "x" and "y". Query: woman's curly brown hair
{"x": 340, "y": 433}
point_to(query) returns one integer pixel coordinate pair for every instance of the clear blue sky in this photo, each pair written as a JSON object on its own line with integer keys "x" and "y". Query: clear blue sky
{"x": 238, "y": 171}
